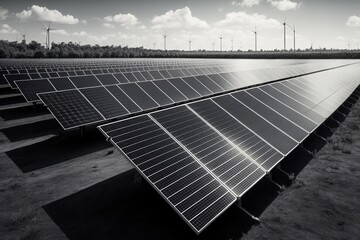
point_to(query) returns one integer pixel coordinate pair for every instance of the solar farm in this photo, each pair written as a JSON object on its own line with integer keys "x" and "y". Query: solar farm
{"x": 192, "y": 146}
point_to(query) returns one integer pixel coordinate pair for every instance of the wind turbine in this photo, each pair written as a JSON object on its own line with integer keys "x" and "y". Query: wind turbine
{"x": 213, "y": 45}
{"x": 232, "y": 44}
{"x": 165, "y": 36}
{"x": 284, "y": 23}
{"x": 255, "y": 33}
{"x": 24, "y": 37}
{"x": 293, "y": 28}
{"x": 221, "y": 38}
{"x": 154, "y": 45}
{"x": 48, "y": 29}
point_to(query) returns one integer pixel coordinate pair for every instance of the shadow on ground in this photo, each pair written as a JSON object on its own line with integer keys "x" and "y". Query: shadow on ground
{"x": 61, "y": 148}
{"x": 120, "y": 208}
{"x": 32, "y": 130}
{"x": 23, "y": 112}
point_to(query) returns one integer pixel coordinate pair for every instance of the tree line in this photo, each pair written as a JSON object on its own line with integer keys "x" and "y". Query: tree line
{"x": 34, "y": 49}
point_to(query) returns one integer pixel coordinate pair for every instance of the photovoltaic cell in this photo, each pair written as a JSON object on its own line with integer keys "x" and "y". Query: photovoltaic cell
{"x": 195, "y": 195}
{"x": 121, "y": 78}
{"x": 211, "y": 148}
{"x": 265, "y": 130}
{"x": 210, "y": 84}
{"x": 124, "y": 99}
{"x": 184, "y": 88}
{"x": 62, "y": 83}
{"x": 107, "y": 79}
{"x": 104, "y": 102}
{"x": 30, "y": 88}
{"x": 138, "y": 96}
{"x": 270, "y": 115}
{"x": 170, "y": 90}
{"x": 85, "y": 81}
{"x": 198, "y": 86}
{"x": 253, "y": 147}
{"x": 284, "y": 110}
{"x": 70, "y": 108}
{"x": 153, "y": 91}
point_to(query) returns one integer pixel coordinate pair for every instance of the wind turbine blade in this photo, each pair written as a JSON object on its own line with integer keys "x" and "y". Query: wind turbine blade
{"x": 44, "y": 24}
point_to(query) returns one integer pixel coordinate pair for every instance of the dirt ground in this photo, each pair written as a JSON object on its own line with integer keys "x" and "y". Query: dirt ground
{"x": 93, "y": 196}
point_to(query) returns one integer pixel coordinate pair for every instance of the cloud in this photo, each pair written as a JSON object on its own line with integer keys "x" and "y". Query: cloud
{"x": 60, "y": 32}
{"x": 353, "y": 21}
{"x": 246, "y": 3}
{"x": 238, "y": 20}
{"x": 125, "y": 20}
{"x": 3, "y": 13}
{"x": 6, "y": 29}
{"x": 179, "y": 19}
{"x": 108, "y": 25}
{"x": 36, "y": 12}
{"x": 284, "y": 5}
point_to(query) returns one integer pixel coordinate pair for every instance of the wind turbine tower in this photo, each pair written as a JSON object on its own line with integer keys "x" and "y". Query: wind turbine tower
{"x": 213, "y": 45}
{"x": 232, "y": 44}
{"x": 48, "y": 29}
{"x": 165, "y": 36}
{"x": 255, "y": 33}
{"x": 284, "y": 24}
{"x": 294, "y": 32}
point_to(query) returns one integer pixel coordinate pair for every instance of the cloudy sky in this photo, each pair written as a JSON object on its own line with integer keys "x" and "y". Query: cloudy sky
{"x": 322, "y": 23}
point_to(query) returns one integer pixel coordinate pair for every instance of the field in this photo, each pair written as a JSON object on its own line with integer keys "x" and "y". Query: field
{"x": 59, "y": 185}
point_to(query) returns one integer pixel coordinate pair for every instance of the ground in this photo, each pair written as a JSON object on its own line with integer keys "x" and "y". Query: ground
{"x": 66, "y": 199}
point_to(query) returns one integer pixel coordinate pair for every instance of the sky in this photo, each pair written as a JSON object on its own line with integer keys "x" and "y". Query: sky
{"x": 318, "y": 23}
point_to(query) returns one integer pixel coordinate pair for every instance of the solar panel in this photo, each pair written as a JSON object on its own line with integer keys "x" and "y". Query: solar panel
{"x": 284, "y": 110}
{"x": 141, "y": 98}
{"x": 212, "y": 149}
{"x": 210, "y": 84}
{"x": 107, "y": 79}
{"x": 184, "y": 88}
{"x": 198, "y": 86}
{"x": 139, "y": 76}
{"x": 129, "y": 104}
{"x": 61, "y": 83}
{"x": 11, "y": 78}
{"x": 175, "y": 73}
{"x": 179, "y": 178}
{"x": 130, "y": 77}
{"x": 221, "y": 82}
{"x": 170, "y": 90}
{"x": 252, "y": 145}
{"x": 147, "y": 75}
{"x": 271, "y": 116}
{"x": 104, "y": 102}
{"x": 121, "y": 78}
{"x": 29, "y": 88}
{"x": 155, "y": 93}
{"x": 258, "y": 125}
{"x": 85, "y": 81}
{"x": 317, "y": 118}
{"x": 70, "y": 108}
{"x": 156, "y": 75}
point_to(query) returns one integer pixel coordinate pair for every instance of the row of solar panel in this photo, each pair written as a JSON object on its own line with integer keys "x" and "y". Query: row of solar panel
{"x": 11, "y": 79}
{"x": 108, "y": 102}
{"x": 30, "y": 88}
{"x": 96, "y": 63}
{"x": 201, "y": 155}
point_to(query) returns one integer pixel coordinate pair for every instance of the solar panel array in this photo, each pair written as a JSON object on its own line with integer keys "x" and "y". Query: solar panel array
{"x": 149, "y": 95}
{"x": 236, "y": 138}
